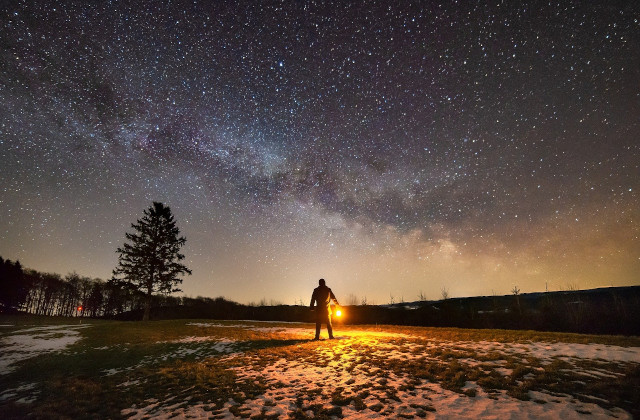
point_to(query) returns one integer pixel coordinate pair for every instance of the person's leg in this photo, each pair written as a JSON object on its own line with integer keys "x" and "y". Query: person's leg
{"x": 318, "y": 326}
{"x": 329, "y": 326}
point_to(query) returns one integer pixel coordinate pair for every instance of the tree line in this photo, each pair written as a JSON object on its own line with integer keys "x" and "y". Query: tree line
{"x": 614, "y": 310}
{"x": 148, "y": 263}
{"x": 33, "y": 292}
{"x": 38, "y": 293}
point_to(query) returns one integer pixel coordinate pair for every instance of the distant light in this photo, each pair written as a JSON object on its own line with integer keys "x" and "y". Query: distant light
{"x": 338, "y": 312}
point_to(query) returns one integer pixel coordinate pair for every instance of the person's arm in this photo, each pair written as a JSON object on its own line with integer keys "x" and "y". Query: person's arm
{"x": 313, "y": 298}
{"x": 334, "y": 298}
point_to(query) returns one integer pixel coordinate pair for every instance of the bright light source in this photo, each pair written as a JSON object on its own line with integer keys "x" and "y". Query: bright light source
{"x": 338, "y": 312}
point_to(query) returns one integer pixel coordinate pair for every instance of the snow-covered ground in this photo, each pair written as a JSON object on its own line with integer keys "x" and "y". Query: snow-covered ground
{"x": 349, "y": 377}
{"x": 307, "y": 387}
{"x": 31, "y": 342}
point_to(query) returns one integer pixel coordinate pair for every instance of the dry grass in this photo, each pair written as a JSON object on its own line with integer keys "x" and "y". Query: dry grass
{"x": 120, "y": 365}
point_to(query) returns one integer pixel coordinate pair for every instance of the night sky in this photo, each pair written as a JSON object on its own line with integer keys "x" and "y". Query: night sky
{"x": 390, "y": 148}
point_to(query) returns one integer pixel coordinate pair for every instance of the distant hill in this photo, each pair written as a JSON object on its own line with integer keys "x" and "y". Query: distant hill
{"x": 488, "y": 303}
{"x": 608, "y": 310}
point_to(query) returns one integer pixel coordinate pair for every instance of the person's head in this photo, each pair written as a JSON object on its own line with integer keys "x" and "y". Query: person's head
{"x": 322, "y": 282}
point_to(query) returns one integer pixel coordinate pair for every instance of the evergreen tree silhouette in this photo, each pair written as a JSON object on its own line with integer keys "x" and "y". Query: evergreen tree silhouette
{"x": 13, "y": 289}
{"x": 150, "y": 260}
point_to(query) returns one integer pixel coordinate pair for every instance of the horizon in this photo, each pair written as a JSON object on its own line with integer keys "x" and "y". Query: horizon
{"x": 571, "y": 288}
{"x": 393, "y": 151}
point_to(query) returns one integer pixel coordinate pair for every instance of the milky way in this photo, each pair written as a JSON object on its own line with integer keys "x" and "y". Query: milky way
{"x": 391, "y": 149}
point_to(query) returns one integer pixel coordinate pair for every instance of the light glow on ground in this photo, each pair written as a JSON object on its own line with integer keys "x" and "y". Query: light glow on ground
{"x": 275, "y": 370}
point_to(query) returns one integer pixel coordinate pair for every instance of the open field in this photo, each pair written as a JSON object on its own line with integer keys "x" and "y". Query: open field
{"x": 61, "y": 368}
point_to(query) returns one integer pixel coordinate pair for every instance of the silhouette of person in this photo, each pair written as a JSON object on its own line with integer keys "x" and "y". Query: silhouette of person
{"x": 322, "y": 297}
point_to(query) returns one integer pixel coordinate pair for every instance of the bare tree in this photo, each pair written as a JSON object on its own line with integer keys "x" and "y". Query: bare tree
{"x": 516, "y": 293}
{"x": 444, "y": 293}
{"x": 352, "y": 299}
{"x": 572, "y": 287}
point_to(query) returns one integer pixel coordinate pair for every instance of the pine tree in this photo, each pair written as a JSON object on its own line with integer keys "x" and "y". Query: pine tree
{"x": 150, "y": 262}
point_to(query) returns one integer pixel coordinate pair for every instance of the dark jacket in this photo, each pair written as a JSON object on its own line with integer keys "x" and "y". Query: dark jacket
{"x": 323, "y": 295}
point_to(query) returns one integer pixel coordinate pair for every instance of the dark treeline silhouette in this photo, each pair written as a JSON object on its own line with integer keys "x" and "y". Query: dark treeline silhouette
{"x": 223, "y": 309}
{"x": 13, "y": 290}
{"x": 33, "y": 292}
{"x": 612, "y": 310}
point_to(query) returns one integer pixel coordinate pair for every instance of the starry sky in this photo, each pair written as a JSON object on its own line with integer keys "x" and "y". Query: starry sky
{"x": 393, "y": 148}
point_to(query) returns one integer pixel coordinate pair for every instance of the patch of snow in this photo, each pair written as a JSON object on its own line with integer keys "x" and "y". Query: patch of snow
{"x": 427, "y": 400}
{"x": 285, "y": 330}
{"x": 52, "y": 327}
{"x": 548, "y": 351}
{"x": 212, "y": 347}
{"x": 269, "y": 322}
{"x": 13, "y": 392}
{"x": 364, "y": 335}
{"x": 503, "y": 371}
{"x": 216, "y": 325}
{"x": 24, "y": 344}
{"x": 247, "y": 324}
{"x": 27, "y": 400}
{"x": 111, "y": 372}
{"x": 337, "y": 364}
{"x": 197, "y": 339}
{"x": 129, "y": 383}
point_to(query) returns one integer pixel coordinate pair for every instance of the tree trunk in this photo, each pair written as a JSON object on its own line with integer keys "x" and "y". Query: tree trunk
{"x": 147, "y": 301}
{"x": 147, "y": 308}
